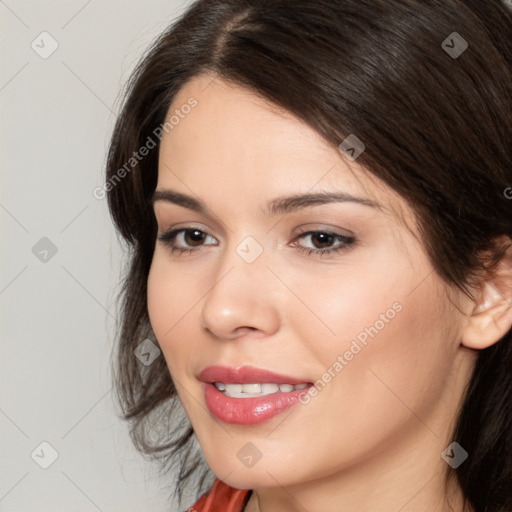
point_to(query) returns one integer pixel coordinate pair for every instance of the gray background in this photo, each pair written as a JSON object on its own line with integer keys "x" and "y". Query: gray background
{"x": 57, "y": 310}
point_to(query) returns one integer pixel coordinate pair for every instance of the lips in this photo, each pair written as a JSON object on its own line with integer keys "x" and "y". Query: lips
{"x": 249, "y": 408}
{"x": 245, "y": 375}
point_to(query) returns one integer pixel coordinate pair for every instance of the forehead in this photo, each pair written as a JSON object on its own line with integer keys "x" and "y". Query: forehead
{"x": 234, "y": 125}
{"x": 233, "y": 139}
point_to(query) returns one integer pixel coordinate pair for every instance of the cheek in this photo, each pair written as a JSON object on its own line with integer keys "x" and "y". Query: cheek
{"x": 160, "y": 299}
{"x": 350, "y": 298}
{"x": 381, "y": 385}
{"x": 375, "y": 335}
{"x": 171, "y": 303}
{"x": 395, "y": 353}
{"x": 336, "y": 308}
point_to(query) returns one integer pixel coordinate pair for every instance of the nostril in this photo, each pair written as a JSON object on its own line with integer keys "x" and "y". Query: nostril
{"x": 240, "y": 331}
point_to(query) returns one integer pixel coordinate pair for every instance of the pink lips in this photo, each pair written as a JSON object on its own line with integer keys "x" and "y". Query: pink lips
{"x": 247, "y": 411}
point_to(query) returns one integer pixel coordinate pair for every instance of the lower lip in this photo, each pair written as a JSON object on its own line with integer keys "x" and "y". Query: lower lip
{"x": 249, "y": 411}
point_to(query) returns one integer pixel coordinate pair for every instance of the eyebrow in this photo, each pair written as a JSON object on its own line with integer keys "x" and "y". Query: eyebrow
{"x": 280, "y": 205}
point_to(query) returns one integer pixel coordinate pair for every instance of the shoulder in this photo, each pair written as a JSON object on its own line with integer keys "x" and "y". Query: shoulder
{"x": 221, "y": 498}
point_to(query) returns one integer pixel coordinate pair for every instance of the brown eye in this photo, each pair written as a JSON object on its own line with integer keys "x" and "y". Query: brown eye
{"x": 186, "y": 240}
{"x": 322, "y": 240}
{"x": 323, "y": 243}
{"x": 194, "y": 237}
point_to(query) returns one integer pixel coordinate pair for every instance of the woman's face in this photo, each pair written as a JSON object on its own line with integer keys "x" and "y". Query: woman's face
{"x": 321, "y": 290}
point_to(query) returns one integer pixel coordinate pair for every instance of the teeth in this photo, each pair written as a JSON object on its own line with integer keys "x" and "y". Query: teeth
{"x": 255, "y": 390}
{"x": 233, "y": 388}
{"x": 251, "y": 388}
{"x": 269, "y": 388}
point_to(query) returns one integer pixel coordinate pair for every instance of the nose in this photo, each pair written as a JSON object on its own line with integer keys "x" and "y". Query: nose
{"x": 242, "y": 299}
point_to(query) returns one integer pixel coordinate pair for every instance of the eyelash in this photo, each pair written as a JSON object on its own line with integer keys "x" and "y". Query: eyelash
{"x": 347, "y": 241}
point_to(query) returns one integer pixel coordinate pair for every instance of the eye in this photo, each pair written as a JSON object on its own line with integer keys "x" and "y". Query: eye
{"x": 323, "y": 242}
{"x": 186, "y": 239}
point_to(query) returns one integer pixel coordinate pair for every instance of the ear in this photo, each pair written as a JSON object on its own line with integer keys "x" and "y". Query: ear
{"x": 491, "y": 316}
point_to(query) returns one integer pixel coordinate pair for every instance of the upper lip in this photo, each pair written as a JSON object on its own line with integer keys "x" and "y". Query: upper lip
{"x": 245, "y": 375}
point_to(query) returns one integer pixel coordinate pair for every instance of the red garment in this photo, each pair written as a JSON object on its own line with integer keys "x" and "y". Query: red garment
{"x": 222, "y": 498}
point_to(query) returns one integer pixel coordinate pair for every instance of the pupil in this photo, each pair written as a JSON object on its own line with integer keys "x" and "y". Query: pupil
{"x": 323, "y": 239}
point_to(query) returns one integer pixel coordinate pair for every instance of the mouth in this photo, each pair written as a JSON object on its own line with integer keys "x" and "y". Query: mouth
{"x": 248, "y": 395}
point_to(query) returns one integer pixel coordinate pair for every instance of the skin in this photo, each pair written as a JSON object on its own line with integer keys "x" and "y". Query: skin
{"x": 372, "y": 438}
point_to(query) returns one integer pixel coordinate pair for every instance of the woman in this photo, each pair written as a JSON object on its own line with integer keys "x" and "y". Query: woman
{"x": 316, "y": 199}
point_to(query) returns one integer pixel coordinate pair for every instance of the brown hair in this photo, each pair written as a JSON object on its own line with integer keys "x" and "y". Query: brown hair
{"x": 437, "y": 127}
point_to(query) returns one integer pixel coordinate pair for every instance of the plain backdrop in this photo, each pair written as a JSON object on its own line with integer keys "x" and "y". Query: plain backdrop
{"x": 62, "y": 446}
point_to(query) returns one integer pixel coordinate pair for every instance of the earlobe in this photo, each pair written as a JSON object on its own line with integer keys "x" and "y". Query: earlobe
{"x": 491, "y": 317}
